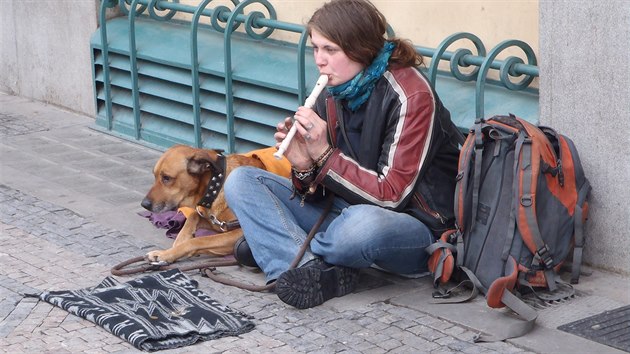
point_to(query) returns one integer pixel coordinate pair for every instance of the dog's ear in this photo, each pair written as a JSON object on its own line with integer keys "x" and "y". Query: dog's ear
{"x": 203, "y": 161}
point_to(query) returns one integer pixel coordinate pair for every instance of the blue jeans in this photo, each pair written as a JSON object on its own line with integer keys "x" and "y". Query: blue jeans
{"x": 358, "y": 236}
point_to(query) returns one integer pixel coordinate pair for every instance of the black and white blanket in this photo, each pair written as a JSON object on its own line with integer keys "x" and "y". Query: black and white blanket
{"x": 159, "y": 311}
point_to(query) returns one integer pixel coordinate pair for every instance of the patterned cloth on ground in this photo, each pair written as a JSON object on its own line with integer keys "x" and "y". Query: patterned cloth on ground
{"x": 159, "y": 311}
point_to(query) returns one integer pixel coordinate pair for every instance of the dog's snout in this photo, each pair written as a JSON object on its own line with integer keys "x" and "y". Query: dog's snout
{"x": 147, "y": 204}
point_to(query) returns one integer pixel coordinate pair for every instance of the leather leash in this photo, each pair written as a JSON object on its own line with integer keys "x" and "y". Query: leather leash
{"x": 149, "y": 267}
{"x": 207, "y": 268}
{"x": 208, "y": 272}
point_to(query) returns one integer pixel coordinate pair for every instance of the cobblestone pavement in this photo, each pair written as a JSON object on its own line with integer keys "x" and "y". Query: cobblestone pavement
{"x": 68, "y": 202}
{"x": 48, "y": 247}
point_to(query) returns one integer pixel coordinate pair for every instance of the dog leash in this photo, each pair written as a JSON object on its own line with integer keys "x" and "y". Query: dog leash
{"x": 208, "y": 272}
{"x": 160, "y": 266}
{"x": 208, "y": 267}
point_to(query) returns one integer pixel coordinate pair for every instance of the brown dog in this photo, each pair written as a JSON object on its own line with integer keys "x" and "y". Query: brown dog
{"x": 182, "y": 178}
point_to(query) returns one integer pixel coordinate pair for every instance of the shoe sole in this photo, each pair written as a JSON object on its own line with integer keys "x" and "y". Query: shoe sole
{"x": 311, "y": 286}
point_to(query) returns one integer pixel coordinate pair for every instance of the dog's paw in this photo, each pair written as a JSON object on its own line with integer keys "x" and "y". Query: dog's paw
{"x": 160, "y": 257}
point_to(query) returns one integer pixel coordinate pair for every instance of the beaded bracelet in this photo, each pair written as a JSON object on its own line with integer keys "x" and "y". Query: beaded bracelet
{"x": 321, "y": 160}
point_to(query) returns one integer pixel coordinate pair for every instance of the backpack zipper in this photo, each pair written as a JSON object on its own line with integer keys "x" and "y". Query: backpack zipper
{"x": 425, "y": 207}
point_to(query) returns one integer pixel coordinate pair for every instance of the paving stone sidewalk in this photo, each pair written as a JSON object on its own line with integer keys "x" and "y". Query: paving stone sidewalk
{"x": 69, "y": 197}
{"x": 48, "y": 247}
{"x": 60, "y": 182}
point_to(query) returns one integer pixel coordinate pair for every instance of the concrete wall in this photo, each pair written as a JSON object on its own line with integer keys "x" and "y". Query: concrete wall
{"x": 45, "y": 51}
{"x": 428, "y": 22}
{"x": 585, "y": 94}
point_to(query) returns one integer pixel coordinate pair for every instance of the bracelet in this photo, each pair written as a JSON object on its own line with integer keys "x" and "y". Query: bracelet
{"x": 302, "y": 175}
{"x": 321, "y": 160}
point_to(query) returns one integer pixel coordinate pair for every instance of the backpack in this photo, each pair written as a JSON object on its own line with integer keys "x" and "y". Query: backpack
{"x": 520, "y": 207}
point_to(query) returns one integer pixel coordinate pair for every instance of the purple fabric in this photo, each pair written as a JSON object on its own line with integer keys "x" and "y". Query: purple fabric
{"x": 173, "y": 221}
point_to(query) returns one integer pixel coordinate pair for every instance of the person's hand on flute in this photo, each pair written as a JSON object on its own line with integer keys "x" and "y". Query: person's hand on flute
{"x": 291, "y": 128}
{"x": 310, "y": 140}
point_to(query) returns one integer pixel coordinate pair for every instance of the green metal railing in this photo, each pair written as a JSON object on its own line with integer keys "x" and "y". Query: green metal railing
{"x": 258, "y": 26}
{"x": 463, "y": 57}
{"x": 232, "y": 19}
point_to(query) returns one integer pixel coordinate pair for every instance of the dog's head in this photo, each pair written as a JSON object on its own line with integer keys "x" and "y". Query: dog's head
{"x": 181, "y": 176}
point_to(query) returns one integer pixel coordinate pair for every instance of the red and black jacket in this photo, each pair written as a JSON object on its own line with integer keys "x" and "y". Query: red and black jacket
{"x": 405, "y": 147}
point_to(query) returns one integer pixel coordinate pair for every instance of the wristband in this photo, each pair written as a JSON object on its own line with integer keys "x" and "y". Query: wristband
{"x": 302, "y": 175}
{"x": 321, "y": 160}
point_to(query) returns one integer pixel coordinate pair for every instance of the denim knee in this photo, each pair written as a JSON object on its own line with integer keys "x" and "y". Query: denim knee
{"x": 363, "y": 235}
{"x": 235, "y": 181}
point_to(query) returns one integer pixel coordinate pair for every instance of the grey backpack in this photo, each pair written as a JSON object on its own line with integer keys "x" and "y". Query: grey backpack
{"x": 520, "y": 206}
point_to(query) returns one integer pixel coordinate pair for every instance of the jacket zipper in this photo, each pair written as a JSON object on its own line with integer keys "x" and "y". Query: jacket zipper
{"x": 423, "y": 205}
{"x": 331, "y": 114}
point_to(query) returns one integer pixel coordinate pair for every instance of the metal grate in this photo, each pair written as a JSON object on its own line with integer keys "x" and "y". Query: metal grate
{"x": 611, "y": 328}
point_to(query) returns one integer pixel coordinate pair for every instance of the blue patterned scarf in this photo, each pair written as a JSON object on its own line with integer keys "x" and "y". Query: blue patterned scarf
{"x": 357, "y": 90}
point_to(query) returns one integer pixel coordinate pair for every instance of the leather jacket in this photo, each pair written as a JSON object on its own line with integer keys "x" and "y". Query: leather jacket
{"x": 399, "y": 150}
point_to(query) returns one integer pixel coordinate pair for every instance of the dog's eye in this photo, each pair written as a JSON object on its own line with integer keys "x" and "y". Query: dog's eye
{"x": 166, "y": 179}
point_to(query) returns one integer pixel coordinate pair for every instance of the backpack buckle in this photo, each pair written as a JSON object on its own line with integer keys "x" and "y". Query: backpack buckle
{"x": 544, "y": 254}
{"x": 452, "y": 238}
{"x": 441, "y": 294}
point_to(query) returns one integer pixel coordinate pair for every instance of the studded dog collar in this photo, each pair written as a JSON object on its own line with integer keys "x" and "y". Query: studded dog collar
{"x": 212, "y": 191}
{"x": 216, "y": 183}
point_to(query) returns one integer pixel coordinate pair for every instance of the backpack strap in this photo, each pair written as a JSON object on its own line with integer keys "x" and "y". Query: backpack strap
{"x": 441, "y": 257}
{"x": 555, "y": 140}
{"x": 542, "y": 256}
{"x": 515, "y": 199}
{"x": 443, "y": 296}
{"x": 499, "y": 295}
{"x": 578, "y": 230}
{"x": 461, "y": 190}
{"x": 477, "y": 170}
{"x": 527, "y": 313}
{"x": 441, "y": 261}
{"x": 564, "y": 291}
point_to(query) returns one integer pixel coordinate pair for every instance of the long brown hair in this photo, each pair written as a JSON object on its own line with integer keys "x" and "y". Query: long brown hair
{"x": 359, "y": 28}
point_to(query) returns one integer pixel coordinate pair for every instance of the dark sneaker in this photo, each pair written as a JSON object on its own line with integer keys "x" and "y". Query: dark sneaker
{"x": 243, "y": 253}
{"x": 312, "y": 285}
